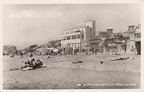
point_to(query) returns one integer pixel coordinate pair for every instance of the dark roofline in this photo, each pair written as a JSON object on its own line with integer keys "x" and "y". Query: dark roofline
{"x": 110, "y": 29}
{"x": 131, "y": 26}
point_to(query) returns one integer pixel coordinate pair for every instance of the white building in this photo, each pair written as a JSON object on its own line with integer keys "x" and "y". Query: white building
{"x": 78, "y": 38}
{"x": 135, "y": 39}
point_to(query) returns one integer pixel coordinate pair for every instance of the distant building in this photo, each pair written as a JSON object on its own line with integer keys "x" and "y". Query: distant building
{"x": 126, "y": 34}
{"x": 110, "y": 31}
{"x": 112, "y": 43}
{"x": 78, "y": 38}
{"x": 135, "y": 38}
{"x": 41, "y": 51}
{"x": 103, "y": 34}
{"x": 54, "y": 43}
{"x": 7, "y": 49}
{"x": 128, "y": 42}
{"x": 108, "y": 42}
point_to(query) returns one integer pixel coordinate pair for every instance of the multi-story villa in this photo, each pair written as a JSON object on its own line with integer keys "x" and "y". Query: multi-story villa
{"x": 78, "y": 38}
{"x": 135, "y": 38}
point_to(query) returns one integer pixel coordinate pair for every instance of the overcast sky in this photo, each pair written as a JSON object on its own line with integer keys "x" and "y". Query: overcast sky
{"x": 24, "y": 25}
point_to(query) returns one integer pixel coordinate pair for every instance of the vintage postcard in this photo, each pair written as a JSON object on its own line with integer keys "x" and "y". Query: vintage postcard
{"x": 71, "y": 46}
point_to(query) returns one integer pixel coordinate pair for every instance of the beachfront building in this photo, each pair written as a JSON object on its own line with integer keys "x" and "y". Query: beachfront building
{"x": 112, "y": 43}
{"x": 7, "y": 49}
{"x": 78, "y": 38}
{"x": 128, "y": 42}
{"x": 135, "y": 39}
{"x": 132, "y": 40}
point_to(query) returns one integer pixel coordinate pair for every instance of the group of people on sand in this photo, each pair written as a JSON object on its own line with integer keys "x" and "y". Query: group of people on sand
{"x": 30, "y": 64}
{"x": 91, "y": 51}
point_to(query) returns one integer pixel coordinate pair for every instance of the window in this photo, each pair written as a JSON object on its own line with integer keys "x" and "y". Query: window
{"x": 138, "y": 35}
{"x": 90, "y": 30}
{"x": 63, "y": 38}
{"x": 78, "y": 36}
{"x": 82, "y": 36}
{"x": 68, "y": 37}
{"x": 90, "y": 36}
{"x": 73, "y": 36}
{"x": 77, "y": 31}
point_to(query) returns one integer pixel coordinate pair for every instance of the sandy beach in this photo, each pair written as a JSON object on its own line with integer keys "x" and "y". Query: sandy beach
{"x": 61, "y": 73}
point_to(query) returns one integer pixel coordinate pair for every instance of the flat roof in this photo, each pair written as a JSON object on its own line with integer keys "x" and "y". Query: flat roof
{"x": 74, "y": 29}
{"x": 90, "y": 20}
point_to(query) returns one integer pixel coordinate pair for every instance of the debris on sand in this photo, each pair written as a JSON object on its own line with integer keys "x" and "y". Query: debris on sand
{"x": 131, "y": 58}
{"x": 101, "y": 62}
{"x": 49, "y": 56}
{"x": 12, "y": 56}
{"x": 77, "y": 62}
{"x": 120, "y": 59}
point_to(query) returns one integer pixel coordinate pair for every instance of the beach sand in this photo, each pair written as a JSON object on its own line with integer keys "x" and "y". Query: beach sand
{"x": 61, "y": 73}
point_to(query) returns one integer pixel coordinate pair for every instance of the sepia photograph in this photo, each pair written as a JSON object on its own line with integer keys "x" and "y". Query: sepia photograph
{"x": 71, "y": 46}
